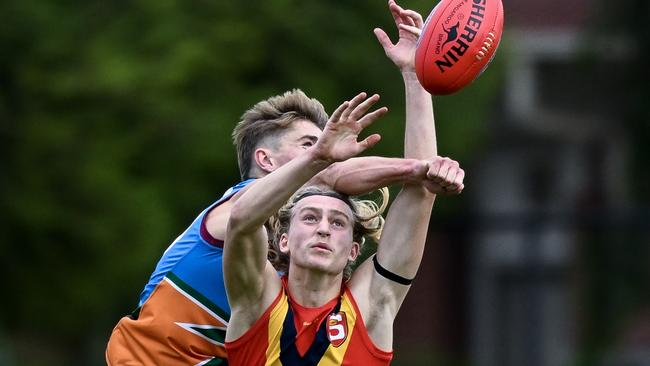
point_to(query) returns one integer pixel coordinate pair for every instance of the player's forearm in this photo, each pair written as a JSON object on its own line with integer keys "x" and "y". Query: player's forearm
{"x": 269, "y": 193}
{"x": 365, "y": 174}
{"x": 420, "y": 133}
{"x": 404, "y": 235}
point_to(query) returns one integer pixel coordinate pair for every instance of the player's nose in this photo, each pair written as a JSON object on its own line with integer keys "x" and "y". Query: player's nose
{"x": 323, "y": 228}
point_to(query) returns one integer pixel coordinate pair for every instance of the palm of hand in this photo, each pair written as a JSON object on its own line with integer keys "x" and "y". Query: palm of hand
{"x": 403, "y": 53}
{"x": 339, "y": 139}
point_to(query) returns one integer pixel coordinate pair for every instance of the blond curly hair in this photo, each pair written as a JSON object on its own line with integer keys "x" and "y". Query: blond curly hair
{"x": 368, "y": 223}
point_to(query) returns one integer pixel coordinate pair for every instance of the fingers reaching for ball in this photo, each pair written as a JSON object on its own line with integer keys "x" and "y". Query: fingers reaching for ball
{"x": 409, "y": 25}
{"x": 405, "y": 16}
{"x": 411, "y": 29}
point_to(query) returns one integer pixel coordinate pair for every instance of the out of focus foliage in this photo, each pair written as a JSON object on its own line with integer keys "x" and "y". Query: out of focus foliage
{"x": 115, "y": 121}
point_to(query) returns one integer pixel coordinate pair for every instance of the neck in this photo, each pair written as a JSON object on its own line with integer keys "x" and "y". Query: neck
{"x": 312, "y": 289}
{"x": 256, "y": 174}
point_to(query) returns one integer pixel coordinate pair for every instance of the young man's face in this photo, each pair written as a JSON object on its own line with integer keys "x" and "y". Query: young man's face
{"x": 320, "y": 235}
{"x": 300, "y": 136}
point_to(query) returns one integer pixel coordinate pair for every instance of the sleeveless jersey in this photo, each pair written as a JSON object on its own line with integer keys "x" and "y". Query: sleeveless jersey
{"x": 183, "y": 311}
{"x": 341, "y": 338}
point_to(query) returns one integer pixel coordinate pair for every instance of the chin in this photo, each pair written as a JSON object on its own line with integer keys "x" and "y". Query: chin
{"x": 320, "y": 264}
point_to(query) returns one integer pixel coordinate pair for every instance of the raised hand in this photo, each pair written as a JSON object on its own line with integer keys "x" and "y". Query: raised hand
{"x": 409, "y": 24}
{"x": 444, "y": 176}
{"x": 339, "y": 138}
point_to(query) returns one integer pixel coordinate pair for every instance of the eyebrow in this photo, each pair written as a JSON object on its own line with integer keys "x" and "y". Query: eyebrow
{"x": 320, "y": 210}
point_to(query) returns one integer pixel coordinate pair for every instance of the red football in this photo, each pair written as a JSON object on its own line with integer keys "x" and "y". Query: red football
{"x": 458, "y": 41}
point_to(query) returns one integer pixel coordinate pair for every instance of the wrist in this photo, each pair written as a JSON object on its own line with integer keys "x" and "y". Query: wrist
{"x": 410, "y": 76}
{"x": 412, "y": 82}
{"x": 317, "y": 159}
{"x": 418, "y": 171}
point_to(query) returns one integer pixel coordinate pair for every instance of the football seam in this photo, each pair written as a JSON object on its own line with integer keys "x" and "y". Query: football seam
{"x": 471, "y": 67}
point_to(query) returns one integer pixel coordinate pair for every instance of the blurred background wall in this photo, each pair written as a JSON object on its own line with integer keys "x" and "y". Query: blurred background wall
{"x": 115, "y": 121}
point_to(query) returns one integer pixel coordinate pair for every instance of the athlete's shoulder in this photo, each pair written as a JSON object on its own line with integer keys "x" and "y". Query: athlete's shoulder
{"x": 237, "y": 190}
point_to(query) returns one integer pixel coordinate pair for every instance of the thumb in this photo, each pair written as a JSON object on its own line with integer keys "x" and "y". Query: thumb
{"x": 383, "y": 39}
{"x": 370, "y": 141}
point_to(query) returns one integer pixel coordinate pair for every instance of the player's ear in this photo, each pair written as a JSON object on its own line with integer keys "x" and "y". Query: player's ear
{"x": 354, "y": 251}
{"x": 284, "y": 243}
{"x": 264, "y": 160}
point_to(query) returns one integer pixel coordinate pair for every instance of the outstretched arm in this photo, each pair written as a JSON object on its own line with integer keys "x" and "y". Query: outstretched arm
{"x": 365, "y": 174}
{"x": 404, "y": 235}
{"x": 362, "y": 175}
{"x": 251, "y": 282}
{"x": 400, "y": 249}
{"x": 420, "y": 134}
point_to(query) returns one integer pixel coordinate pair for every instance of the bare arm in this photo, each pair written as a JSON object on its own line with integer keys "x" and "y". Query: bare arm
{"x": 250, "y": 281}
{"x": 365, "y": 174}
{"x": 404, "y": 235}
{"x": 362, "y": 175}
{"x": 400, "y": 250}
{"x": 356, "y": 176}
{"x": 244, "y": 263}
{"x": 402, "y": 244}
{"x": 420, "y": 134}
{"x": 419, "y": 143}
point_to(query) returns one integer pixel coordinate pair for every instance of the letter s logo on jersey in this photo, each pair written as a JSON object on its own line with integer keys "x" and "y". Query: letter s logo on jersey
{"x": 337, "y": 328}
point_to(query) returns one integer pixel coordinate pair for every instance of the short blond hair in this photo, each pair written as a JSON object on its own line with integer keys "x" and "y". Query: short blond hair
{"x": 270, "y": 118}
